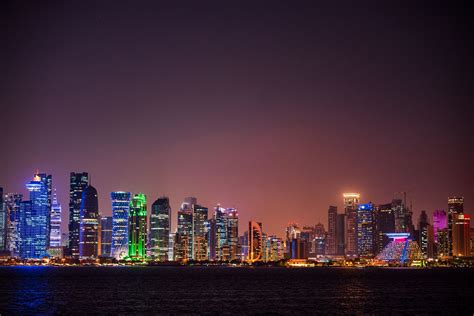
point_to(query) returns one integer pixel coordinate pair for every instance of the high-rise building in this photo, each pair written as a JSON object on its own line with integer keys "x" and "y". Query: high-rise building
{"x": 332, "y": 228}
{"x": 3, "y": 223}
{"x": 226, "y": 232}
{"x": 89, "y": 224}
{"x": 184, "y": 234}
{"x": 55, "y": 235}
{"x": 35, "y": 218}
{"x": 365, "y": 230}
{"x": 384, "y": 224}
{"x": 120, "y": 208}
{"x": 351, "y": 200}
{"x": 471, "y": 241}
{"x": 200, "y": 215}
{"x": 255, "y": 246}
{"x": 78, "y": 182}
{"x": 106, "y": 224}
{"x": 455, "y": 206}
{"x": 460, "y": 235}
{"x": 12, "y": 207}
{"x": 160, "y": 228}
{"x": 137, "y": 227}
{"x": 440, "y": 222}
{"x": 426, "y": 236}
{"x": 340, "y": 234}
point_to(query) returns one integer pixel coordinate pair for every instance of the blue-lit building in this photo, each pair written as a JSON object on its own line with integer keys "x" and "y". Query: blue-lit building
{"x": 55, "y": 231}
{"x": 106, "y": 223}
{"x": 120, "y": 210}
{"x": 78, "y": 183}
{"x": 3, "y": 223}
{"x": 365, "y": 230}
{"x": 12, "y": 208}
{"x": 35, "y": 218}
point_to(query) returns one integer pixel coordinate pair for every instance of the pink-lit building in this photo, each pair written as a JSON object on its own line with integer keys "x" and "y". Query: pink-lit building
{"x": 440, "y": 222}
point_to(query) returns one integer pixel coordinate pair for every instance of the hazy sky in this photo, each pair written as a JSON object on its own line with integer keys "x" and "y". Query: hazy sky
{"x": 275, "y": 110}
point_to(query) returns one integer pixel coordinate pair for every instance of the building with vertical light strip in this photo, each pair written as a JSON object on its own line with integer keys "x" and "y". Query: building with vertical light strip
{"x": 455, "y": 206}
{"x": 160, "y": 228}
{"x": 78, "y": 182}
{"x": 137, "y": 227}
{"x": 89, "y": 224}
{"x": 351, "y": 200}
{"x": 55, "y": 235}
{"x": 120, "y": 208}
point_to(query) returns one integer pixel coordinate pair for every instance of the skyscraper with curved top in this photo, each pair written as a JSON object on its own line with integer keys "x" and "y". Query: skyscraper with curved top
{"x": 255, "y": 242}
{"x": 89, "y": 224}
{"x": 120, "y": 209}
{"x": 137, "y": 227}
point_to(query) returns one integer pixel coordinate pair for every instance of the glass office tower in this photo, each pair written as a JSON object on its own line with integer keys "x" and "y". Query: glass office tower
{"x": 137, "y": 227}
{"x": 120, "y": 209}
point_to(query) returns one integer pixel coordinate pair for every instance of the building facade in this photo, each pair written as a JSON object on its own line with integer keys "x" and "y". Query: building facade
{"x": 351, "y": 200}
{"x": 78, "y": 182}
{"x": 120, "y": 209}
{"x": 137, "y": 227}
{"x": 55, "y": 235}
{"x": 365, "y": 230}
{"x": 89, "y": 225}
{"x": 332, "y": 228}
{"x": 255, "y": 239}
{"x": 106, "y": 224}
{"x": 455, "y": 206}
{"x": 160, "y": 226}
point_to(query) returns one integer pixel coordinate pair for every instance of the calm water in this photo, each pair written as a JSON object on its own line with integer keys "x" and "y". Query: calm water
{"x": 218, "y": 290}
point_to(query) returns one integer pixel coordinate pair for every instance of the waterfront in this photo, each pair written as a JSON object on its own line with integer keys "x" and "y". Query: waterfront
{"x": 226, "y": 290}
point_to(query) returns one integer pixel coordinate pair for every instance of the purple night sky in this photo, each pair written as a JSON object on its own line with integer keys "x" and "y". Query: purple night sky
{"x": 274, "y": 109}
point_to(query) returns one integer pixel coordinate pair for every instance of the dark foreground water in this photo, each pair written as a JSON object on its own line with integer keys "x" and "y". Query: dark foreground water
{"x": 223, "y": 290}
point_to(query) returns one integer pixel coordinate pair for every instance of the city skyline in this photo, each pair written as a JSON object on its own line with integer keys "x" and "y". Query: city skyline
{"x": 275, "y": 110}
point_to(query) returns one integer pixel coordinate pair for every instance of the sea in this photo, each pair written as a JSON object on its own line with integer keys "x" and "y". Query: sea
{"x": 131, "y": 290}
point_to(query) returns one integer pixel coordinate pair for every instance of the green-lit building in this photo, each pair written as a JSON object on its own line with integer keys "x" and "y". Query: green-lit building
{"x": 137, "y": 227}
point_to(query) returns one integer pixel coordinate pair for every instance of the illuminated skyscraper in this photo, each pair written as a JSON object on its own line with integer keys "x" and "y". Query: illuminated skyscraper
{"x": 89, "y": 224}
{"x": 233, "y": 233}
{"x": 227, "y": 238}
{"x": 426, "y": 236}
{"x": 351, "y": 200}
{"x": 55, "y": 235}
{"x": 160, "y": 225}
{"x": 200, "y": 214}
{"x": 440, "y": 222}
{"x": 78, "y": 182}
{"x": 455, "y": 206}
{"x": 35, "y": 218}
{"x": 184, "y": 233}
{"x": 137, "y": 227}
{"x": 12, "y": 206}
{"x": 106, "y": 223}
{"x": 460, "y": 234}
{"x": 332, "y": 224}
{"x": 340, "y": 233}
{"x": 212, "y": 239}
{"x": 365, "y": 230}
{"x": 120, "y": 209}
{"x": 384, "y": 224}
{"x": 255, "y": 241}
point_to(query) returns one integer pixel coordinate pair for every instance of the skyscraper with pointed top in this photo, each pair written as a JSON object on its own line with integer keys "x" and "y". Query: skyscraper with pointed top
{"x": 55, "y": 234}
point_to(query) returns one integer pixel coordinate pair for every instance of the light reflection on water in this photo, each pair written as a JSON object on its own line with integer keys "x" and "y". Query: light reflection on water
{"x": 220, "y": 290}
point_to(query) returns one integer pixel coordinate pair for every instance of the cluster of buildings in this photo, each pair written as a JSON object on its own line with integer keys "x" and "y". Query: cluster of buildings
{"x": 385, "y": 232}
{"x": 31, "y": 229}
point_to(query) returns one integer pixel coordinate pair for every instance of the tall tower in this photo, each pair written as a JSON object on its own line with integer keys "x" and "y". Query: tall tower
{"x": 184, "y": 233}
{"x": 200, "y": 214}
{"x": 3, "y": 223}
{"x": 255, "y": 241}
{"x": 365, "y": 230}
{"x": 36, "y": 217}
{"x": 55, "y": 235}
{"x": 332, "y": 223}
{"x": 12, "y": 207}
{"x": 160, "y": 225}
{"x": 455, "y": 206}
{"x": 89, "y": 224}
{"x": 106, "y": 224}
{"x": 120, "y": 209}
{"x": 461, "y": 240}
{"x": 78, "y": 182}
{"x": 384, "y": 224}
{"x": 351, "y": 200}
{"x": 137, "y": 227}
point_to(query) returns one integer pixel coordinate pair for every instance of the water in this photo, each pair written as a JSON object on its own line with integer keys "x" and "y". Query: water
{"x": 225, "y": 290}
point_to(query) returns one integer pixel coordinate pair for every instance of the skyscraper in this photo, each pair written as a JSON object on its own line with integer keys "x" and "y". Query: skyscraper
{"x": 55, "y": 235}
{"x": 137, "y": 227}
{"x": 200, "y": 215}
{"x": 460, "y": 234}
{"x": 227, "y": 238}
{"x": 440, "y": 222}
{"x": 12, "y": 206}
{"x": 184, "y": 233}
{"x": 455, "y": 206}
{"x": 384, "y": 224}
{"x": 255, "y": 241}
{"x": 160, "y": 226}
{"x": 106, "y": 223}
{"x": 78, "y": 182}
{"x": 35, "y": 218}
{"x": 365, "y": 230}
{"x": 120, "y": 209}
{"x": 426, "y": 236}
{"x": 332, "y": 224}
{"x": 340, "y": 233}
{"x": 351, "y": 200}
{"x": 89, "y": 224}
{"x": 233, "y": 233}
